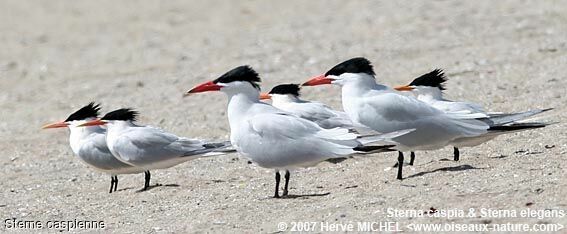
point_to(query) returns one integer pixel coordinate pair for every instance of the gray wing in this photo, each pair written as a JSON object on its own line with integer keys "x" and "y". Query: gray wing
{"x": 148, "y": 144}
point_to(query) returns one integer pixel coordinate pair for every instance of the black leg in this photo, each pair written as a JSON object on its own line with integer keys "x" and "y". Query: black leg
{"x": 111, "y": 183}
{"x": 456, "y": 153}
{"x": 115, "y": 183}
{"x": 147, "y": 180}
{"x": 286, "y": 176}
{"x": 412, "y": 158}
{"x": 400, "y": 164}
{"x": 277, "y": 194}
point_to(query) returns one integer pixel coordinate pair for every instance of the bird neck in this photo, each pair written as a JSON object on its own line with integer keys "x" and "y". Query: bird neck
{"x": 354, "y": 90}
{"x": 240, "y": 102}
{"x": 245, "y": 96}
{"x": 359, "y": 86}
{"x": 78, "y": 134}
{"x": 429, "y": 93}
{"x": 118, "y": 126}
{"x": 280, "y": 99}
{"x": 114, "y": 129}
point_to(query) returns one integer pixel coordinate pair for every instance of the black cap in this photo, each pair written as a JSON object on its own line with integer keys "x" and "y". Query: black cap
{"x": 286, "y": 89}
{"x": 88, "y": 111}
{"x": 125, "y": 114}
{"x": 241, "y": 73}
{"x": 435, "y": 78}
{"x": 354, "y": 65}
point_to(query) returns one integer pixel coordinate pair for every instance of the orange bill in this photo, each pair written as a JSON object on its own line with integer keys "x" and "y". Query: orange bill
{"x": 403, "y": 88}
{"x": 93, "y": 123}
{"x": 56, "y": 125}
{"x": 264, "y": 96}
{"x": 204, "y": 87}
{"x": 318, "y": 80}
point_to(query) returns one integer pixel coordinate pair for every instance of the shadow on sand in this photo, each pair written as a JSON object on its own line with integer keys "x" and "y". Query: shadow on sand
{"x": 292, "y": 196}
{"x": 157, "y": 185}
{"x": 455, "y": 168}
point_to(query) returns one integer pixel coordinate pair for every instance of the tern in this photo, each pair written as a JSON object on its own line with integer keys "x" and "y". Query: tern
{"x": 384, "y": 109}
{"x": 89, "y": 144}
{"x": 429, "y": 88}
{"x": 287, "y": 97}
{"x": 277, "y": 139}
{"x": 149, "y": 147}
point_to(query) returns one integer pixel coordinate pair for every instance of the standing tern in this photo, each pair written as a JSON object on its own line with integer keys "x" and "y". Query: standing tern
{"x": 276, "y": 139}
{"x": 429, "y": 88}
{"x": 384, "y": 109}
{"x": 286, "y": 97}
{"x": 148, "y": 147}
{"x": 89, "y": 144}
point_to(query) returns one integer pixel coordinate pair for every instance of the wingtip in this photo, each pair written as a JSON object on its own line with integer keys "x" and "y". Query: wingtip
{"x": 547, "y": 109}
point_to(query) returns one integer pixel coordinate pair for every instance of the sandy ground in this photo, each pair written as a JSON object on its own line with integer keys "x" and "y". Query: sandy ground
{"x": 56, "y": 56}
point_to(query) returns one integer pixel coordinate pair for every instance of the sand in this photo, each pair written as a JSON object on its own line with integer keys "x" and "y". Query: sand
{"x": 56, "y": 56}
